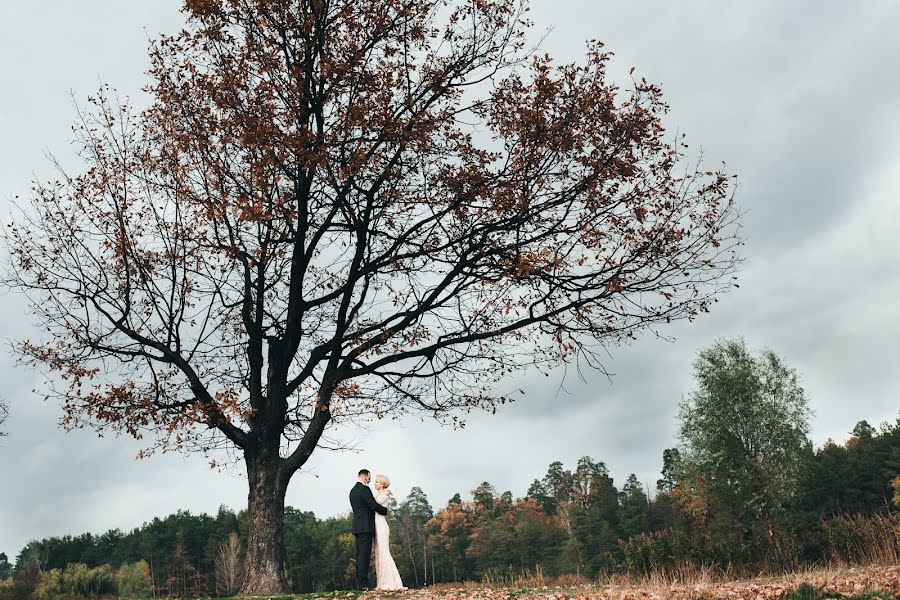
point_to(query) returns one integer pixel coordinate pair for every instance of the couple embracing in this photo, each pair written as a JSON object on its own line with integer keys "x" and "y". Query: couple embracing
{"x": 371, "y": 530}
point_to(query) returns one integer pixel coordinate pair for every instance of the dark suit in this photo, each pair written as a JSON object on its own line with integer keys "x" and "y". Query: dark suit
{"x": 364, "y": 508}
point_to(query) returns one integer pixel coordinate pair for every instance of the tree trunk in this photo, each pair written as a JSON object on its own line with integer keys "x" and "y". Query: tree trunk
{"x": 264, "y": 561}
{"x": 780, "y": 555}
{"x": 412, "y": 558}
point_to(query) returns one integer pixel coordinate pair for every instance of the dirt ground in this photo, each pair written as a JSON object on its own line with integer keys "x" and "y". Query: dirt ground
{"x": 847, "y": 582}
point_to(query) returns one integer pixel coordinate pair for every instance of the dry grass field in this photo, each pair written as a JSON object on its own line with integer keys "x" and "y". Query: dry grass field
{"x": 858, "y": 583}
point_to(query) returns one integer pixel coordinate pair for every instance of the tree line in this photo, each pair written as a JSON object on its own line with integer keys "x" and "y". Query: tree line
{"x": 570, "y": 521}
{"x": 744, "y": 490}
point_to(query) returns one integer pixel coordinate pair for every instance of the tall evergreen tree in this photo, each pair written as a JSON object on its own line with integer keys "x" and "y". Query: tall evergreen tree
{"x": 634, "y": 509}
{"x": 410, "y": 536}
{"x": 671, "y": 463}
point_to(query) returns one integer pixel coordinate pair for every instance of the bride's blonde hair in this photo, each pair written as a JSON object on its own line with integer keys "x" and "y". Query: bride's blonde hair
{"x": 384, "y": 480}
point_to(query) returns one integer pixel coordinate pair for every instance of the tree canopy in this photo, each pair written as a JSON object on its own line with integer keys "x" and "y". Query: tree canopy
{"x": 744, "y": 430}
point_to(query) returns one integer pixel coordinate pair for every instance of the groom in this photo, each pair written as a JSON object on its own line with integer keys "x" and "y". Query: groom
{"x": 364, "y": 509}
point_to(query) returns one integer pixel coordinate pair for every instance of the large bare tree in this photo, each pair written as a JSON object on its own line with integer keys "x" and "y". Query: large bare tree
{"x": 336, "y": 210}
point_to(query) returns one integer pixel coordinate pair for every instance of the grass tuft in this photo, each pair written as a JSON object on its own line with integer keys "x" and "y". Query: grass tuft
{"x": 808, "y": 592}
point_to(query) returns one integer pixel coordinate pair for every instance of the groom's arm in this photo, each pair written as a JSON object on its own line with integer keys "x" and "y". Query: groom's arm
{"x": 373, "y": 504}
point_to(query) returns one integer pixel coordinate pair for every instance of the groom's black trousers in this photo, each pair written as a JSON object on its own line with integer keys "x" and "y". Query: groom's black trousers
{"x": 363, "y": 558}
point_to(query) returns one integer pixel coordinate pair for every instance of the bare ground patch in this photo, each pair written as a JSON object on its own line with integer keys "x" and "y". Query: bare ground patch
{"x": 847, "y": 582}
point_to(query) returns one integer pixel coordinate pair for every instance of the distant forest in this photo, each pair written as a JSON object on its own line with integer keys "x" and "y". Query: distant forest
{"x": 572, "y": 521}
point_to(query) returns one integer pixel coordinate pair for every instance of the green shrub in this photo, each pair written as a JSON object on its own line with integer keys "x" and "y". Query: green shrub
{"x": 49, "y": 585}
{"x": 806, "y": 592}
{"x": 6, "y": 588}
{"x": 78, "y": 579}
{"x": 25, "y": 580}
{"x": 133, "y": 580}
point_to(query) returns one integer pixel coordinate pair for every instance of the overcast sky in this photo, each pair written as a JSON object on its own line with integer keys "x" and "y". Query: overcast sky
{"x": 800, "y": 100}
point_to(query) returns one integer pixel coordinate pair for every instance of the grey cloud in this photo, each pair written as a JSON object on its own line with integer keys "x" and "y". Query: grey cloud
{"x": 793, "y": 98}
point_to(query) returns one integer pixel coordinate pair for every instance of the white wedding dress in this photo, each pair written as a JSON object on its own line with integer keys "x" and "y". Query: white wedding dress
{"x": 386, "y": 574}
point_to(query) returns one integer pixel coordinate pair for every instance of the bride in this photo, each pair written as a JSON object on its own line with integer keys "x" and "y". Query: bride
{"x": 386, "y": 574}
